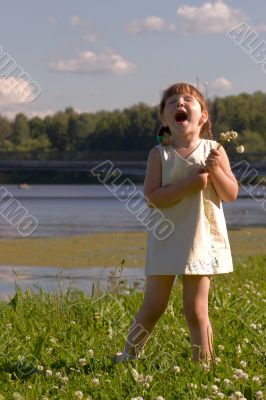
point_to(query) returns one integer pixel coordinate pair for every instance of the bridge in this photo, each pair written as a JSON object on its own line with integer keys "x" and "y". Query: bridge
{"x": 130, "y": 163}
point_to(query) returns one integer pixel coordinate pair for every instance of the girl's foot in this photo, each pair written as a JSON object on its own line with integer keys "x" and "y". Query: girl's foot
{"x": 124, "y": 357}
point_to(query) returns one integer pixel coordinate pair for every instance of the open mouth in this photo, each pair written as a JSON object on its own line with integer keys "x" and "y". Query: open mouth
{"x": 181, "y": 116}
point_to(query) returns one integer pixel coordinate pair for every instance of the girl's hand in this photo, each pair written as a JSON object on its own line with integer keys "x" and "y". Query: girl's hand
{"x": 214, "y": 160}
{"x": 199, "y": 179}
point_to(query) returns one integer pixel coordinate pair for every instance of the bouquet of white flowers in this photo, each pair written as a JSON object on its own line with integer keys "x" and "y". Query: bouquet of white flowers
{"x": 230, "y": 136}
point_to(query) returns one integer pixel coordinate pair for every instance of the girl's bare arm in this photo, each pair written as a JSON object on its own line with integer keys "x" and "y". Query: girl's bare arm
{"x": 221, "y": 175}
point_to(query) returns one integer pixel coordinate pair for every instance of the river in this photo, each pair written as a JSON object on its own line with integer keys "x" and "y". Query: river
{"x": 63, "y": 210}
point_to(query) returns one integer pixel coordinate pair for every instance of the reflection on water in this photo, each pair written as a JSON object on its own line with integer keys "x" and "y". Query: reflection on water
{"x": 54, "y": 279}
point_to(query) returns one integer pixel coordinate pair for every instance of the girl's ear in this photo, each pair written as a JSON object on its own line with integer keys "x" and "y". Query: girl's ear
{"x": 204, "y": 117}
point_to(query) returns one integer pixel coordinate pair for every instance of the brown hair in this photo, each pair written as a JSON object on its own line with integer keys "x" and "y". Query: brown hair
{"x": 181, "y": 88}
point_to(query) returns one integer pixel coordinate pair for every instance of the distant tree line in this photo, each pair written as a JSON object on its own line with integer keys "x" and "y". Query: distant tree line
{"x": 133, "y": 128}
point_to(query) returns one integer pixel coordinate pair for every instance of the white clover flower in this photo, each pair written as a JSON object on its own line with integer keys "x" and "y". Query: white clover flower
{"x": 238, "y": 395}
{"x": 214, "y": 388}
{"x": 259, "y": 395}
{"x": 217, "y": 380}
{"x": 40, "y": 368}
{"x": 193, "y": 385}
{"x": 55, "y": 387}
{"x": 176, "y": 369}
{"x": 240, "y": 374}
{"x": 206, "y": 366}
{"x": 217, "y": 359}
{"x": 82, "y": 361}
{"x": 78, "y": 394}
{"x": 240, "y": 149}
{"x": 95, "y": 381}
{"x": 64, "y": 379}
{"x": 256, "y": 379}
{"x": 159, "y": 398}
{"x": 221, "y": 347}
{"x": 90, "y": 353}
{"x": 233, "y": 134}
{"x": 220, "y": 395}
{"x": 58, "y": 374}
{"x": 149, "y": 378}
{"x": 227, "y": 382}
{"x": 48, "y": 372}
{"x": 205, "y": 387}
{"x": 243, "y": 364}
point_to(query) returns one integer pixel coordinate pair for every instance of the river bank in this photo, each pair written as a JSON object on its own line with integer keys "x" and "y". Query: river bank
{"x": 108, "y": 249}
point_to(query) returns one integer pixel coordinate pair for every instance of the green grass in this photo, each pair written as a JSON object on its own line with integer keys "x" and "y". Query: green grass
{"x": 55, "y": 331}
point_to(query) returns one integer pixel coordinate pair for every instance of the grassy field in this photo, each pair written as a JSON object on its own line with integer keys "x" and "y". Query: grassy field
{"x": 61, "y": 346}
{"x": 108, "y": 249}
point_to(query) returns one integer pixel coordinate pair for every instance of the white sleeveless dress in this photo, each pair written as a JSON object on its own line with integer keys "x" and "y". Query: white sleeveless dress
{"x": 199, "y": 242}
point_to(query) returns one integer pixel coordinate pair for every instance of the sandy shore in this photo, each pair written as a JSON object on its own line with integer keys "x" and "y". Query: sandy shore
{"x": 108, "y": 249}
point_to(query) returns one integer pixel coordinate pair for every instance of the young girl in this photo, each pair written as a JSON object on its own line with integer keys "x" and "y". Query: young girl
{"x": 186, "y": 180}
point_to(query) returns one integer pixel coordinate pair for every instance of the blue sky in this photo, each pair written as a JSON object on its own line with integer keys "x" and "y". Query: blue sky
{"x": 113, "y": 54}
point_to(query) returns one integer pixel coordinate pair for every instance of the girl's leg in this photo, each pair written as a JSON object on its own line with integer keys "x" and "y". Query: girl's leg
{"x": 156, "y": 296}
{"x": 195, "y": 304}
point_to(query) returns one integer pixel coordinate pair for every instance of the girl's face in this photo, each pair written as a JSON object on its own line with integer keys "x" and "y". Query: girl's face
{"x": 183, "y": 114}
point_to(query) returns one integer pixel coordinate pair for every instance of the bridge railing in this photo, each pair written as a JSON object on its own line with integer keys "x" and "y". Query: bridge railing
{"x": 74, "y": 156}
{"x": 118, "y": 155}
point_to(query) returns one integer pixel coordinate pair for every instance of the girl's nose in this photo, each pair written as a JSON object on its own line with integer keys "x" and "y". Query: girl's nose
{"x": 180, "y": 102}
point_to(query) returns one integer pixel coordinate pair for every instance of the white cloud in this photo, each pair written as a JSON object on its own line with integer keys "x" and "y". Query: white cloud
{"x": 17, "y": 91}
{"x": 259, "y": 28}
{"x": 78, "y": 22}
{"x": 221, "y": 84}
{"x": 89, "y": 38}
{"x": 89, "y": 62}
{"x": 216, "y": 17}
{"x": 51, "y": 20}
{"x": 150, "y": 24}
{"x": 75, "y": 20}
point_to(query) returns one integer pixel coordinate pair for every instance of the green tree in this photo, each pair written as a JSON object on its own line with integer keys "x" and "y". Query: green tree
{"x": 56, "y": 130}
{"x": 21, "y": 129}
{"x": 5, "y": 131}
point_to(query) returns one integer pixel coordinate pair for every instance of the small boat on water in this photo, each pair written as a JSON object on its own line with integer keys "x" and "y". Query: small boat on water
{"x": 24, "y": 186}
